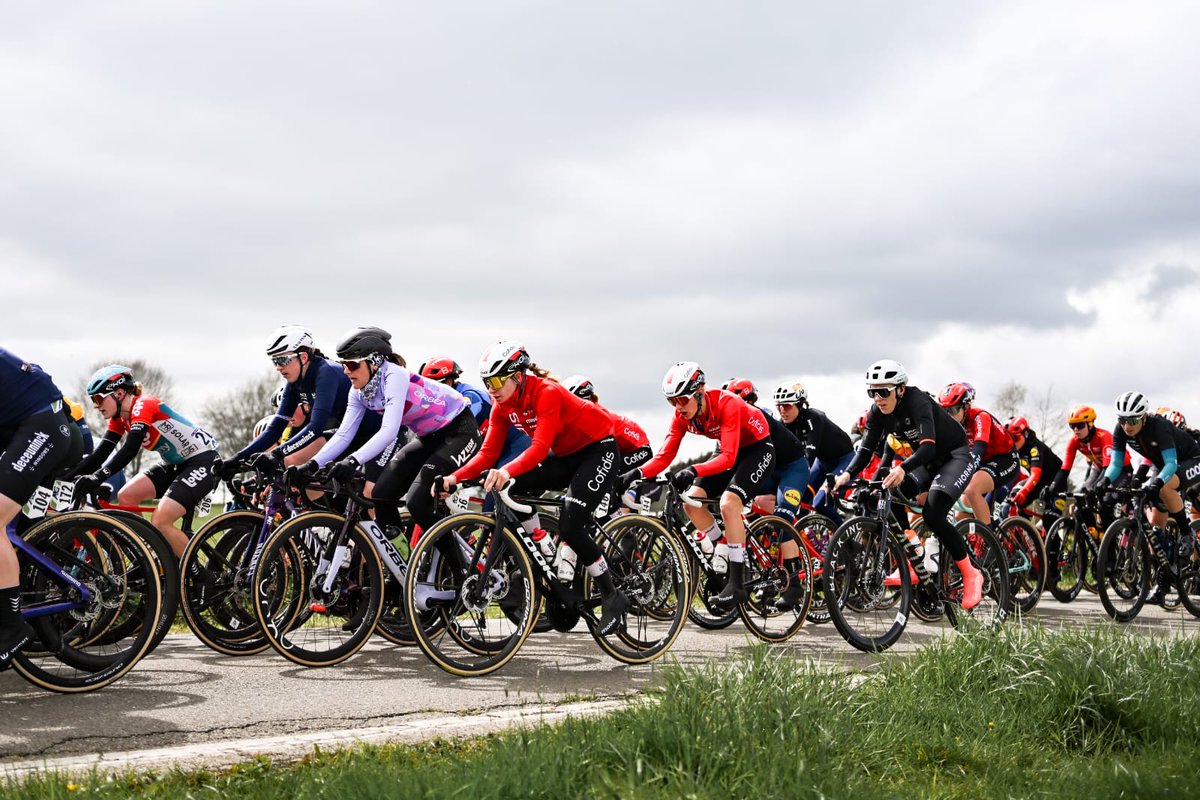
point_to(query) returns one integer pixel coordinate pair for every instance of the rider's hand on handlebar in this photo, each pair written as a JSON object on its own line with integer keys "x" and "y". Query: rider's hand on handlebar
{"x": 894, "y": 477}
{"x": 496, "y": 479}
{"x": 837, "y": 483}
{"x": 443, "y": 485}
{"x": 302, "y": 473}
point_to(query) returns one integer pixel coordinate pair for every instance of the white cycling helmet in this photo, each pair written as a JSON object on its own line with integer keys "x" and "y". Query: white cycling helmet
{"x": 791, "y": 394}
{"x": 580, "y": 386}
{"x": 683, "y": 379}
{"x": 278, "y": 398}
{"x": 288, "y": 339}
{"x": 1132, "y": 404}
{"x": 261, "y": 425}
{"x": 887, "y": 372}
{"x": 502, "y": 359}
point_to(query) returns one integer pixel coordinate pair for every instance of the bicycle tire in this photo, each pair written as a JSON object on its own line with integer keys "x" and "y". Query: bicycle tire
{"x": 225, "y": 620}
{"x": 1027, "y": 563}
{"x": 70, "y": 659}
{"x": 343, "y": 618}
{"x": 168, "y": 569}
{"x": 1125, "y": 566}
{"x": 439, "y": 565}
{"x": 1189, "y": 574}
{"x": 649, "y": 565}
{"x": 766, "y": 579}
{"x": 861, "y": 607}
{"x": 823, "y": 527}
{"x": 1065, "y": 576}
{"x": 987, "y": 555}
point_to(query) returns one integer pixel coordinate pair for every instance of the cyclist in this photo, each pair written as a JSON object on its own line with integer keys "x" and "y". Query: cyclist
{"x": 1173, "y": 453}
{"x": 189, "y": 453}
{"x": 991, "y": 446}
{"x": 447, "y": 371}
{"x": 1042, "y": 464}
{"x": 313, "y": 382}
{"x": 740, "y": 470}
{"x": 444, "y": 429}
{"x": 572, "y": 447}
{"x": 632, "y": 442}
{"x": 1096, "y": 445}
{"x": 35, "y": 437}
{"x": 942, "y": 461}
{"x": 829, "y": 447}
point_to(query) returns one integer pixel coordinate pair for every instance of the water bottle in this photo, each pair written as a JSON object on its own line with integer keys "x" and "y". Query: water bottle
{"x": 932, "y": 548}
{"x": 545, "y": 543}
{"x": 720, "y": 558}
{"x": 706, "y": 544}
{"x": 565, "y": 563}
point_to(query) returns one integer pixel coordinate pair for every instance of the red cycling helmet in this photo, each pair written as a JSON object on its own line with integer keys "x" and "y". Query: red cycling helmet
{"x": 743, "y": 388}
{"x": 1017, "y": 426}
{"x": 439, "y": 369}
{"x": 955, "y": 394}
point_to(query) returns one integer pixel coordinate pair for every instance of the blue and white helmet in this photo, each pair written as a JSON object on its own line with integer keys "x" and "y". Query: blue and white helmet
{"x": 107, "y": 380}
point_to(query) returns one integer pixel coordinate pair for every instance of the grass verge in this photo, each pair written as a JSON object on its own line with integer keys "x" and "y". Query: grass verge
{"x": 1027, "y": 713}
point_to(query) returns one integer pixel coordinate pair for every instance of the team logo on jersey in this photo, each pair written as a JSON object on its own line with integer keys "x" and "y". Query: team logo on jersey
{"x": 792, "y": 497}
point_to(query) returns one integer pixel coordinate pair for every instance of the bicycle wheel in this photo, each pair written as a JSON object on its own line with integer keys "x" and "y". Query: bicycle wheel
{"x": 705, "y": 582}
{"x": 1125, "y": 567}
{"x": 987, "y": 555}
{"x": 1026, "y": 554}
{"x": 1189, "y": 574}
{"x": 168, "y": 569}
{"x": 1064, "y": 560}
{"x": 487, "y": 610}
{"x": 766, "y": 579}
{"x": 344, "y": 594}
{"x": 870, "y": 615}
{"x": 106, "y": 556}
{"x": 215, "y": 595}
{"x": 647, "y": 564}
{"x": 815, "y": 532}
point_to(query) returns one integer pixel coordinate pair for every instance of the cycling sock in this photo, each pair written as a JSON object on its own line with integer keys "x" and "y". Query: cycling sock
{"x": 599, "y": 568}
{"x": 714, "y": 531}
{"x": 737, "y": 553}
{"x": 791, "y": 565}
{"x": 10, "y": 605}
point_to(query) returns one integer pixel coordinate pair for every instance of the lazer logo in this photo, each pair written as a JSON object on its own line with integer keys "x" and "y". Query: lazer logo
{"x": 463, "y": 456}
{"x": 30, "y": 451}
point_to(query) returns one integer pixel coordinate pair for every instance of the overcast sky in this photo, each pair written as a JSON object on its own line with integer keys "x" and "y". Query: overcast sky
{"x": 988, "y": 192}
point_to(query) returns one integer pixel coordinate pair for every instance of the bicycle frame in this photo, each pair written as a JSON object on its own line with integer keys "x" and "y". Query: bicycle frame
{"x": 56, "y": 573}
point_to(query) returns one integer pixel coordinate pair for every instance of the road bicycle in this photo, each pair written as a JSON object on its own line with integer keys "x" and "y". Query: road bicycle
{"x": 90, "y": 590}
{"x": 871, "y": 614}
{"x": 485, "y": 578}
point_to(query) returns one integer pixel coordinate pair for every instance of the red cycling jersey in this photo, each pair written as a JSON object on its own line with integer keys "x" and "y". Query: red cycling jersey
{"x": 983, "y": 427}
{"x": 168, "y": 433}
{"x": 727, "y": 418}
{"x": 630, "y": 435}
{"x": 553, "y": 418}
{"x": 1097, "y": 450}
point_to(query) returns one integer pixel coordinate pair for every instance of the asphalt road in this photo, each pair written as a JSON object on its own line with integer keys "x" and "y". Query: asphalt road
{"x": 185, "y": 694}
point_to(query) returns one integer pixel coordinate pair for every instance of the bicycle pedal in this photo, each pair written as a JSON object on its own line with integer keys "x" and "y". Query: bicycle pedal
{"x": 317, "y": 608}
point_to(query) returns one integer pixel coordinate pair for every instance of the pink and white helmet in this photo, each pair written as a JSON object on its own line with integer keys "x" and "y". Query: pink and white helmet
{"x": 683, "y": 379}
{"x": 502, "y": 359}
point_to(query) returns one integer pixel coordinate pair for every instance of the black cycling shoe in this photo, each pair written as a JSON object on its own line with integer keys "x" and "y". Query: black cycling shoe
{"x": 791, "y": 595}
{"x": 13, "y": 639}
{"x": 734, "y": 593}
{"x": 612, "y": 605}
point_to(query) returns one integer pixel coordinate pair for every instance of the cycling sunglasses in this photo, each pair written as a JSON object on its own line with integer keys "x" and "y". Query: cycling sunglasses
{"x": 1078, "y": 426}
{"x": 885, "y": 391}
{"x": 283, "y": 360}
{"x": 97, "y": 399}
{"x": 496, "y": 382}
{"x": 350, "y": 366}
{"x": 1131, "y": 420}
{"x": 680, "y": 401}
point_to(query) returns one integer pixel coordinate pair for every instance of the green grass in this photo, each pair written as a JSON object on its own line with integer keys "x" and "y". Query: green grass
{"x": 1025, "y": 714}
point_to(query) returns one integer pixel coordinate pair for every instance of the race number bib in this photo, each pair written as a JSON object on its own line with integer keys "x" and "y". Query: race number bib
{"x": 204, "y": 506}
{"x": 37, "y": 505}
{"x": 602, "y": 509}
{"x": 64, "y": 493}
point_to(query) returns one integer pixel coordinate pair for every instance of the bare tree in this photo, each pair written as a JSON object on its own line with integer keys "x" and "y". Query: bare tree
{"x": 1010, "y": 400}
{"x": 154, "y": 380}
{"x": 231, "y": 417}
{"x": 1049, "y": 420}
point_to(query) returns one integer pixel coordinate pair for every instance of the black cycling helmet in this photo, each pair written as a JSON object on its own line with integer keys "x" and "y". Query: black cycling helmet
{"x": 362, "y": 342}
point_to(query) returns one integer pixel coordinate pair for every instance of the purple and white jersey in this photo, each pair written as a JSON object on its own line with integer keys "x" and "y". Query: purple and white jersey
{"x": 405, "y": 399}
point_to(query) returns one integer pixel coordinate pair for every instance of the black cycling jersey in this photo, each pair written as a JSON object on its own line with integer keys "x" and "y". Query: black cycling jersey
{"x": 823, "y": 439}
{"x": 1157, "y": 434}
{"x": 1036, "y": 455}
{"x": 788, "y": 448}
{"x": 917, "y": 420}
